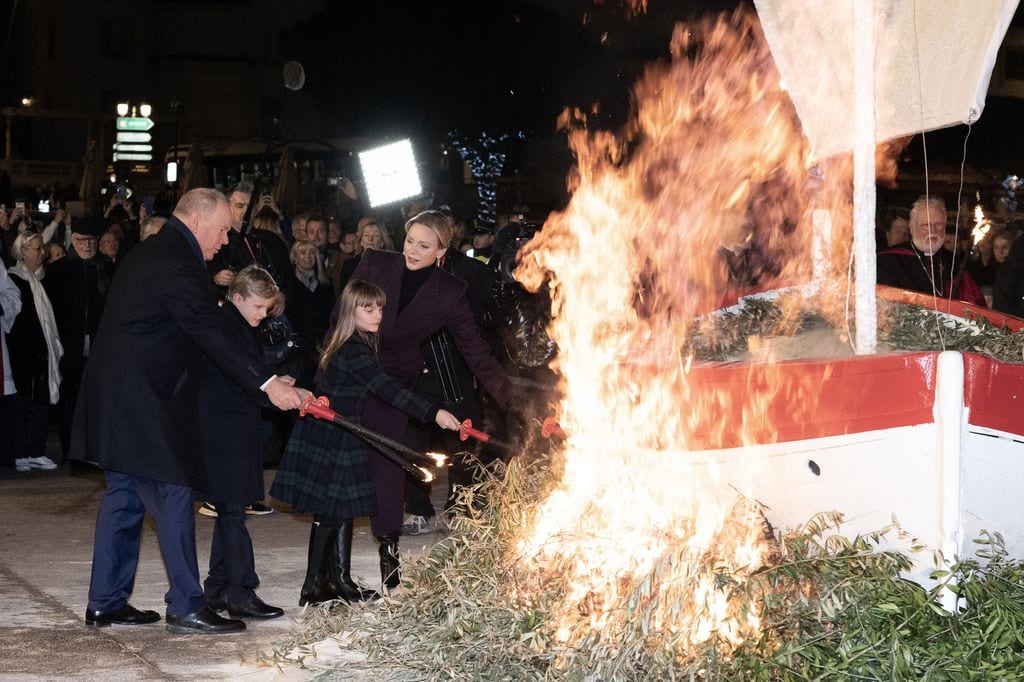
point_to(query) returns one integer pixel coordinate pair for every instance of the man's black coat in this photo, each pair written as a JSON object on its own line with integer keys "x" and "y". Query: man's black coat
{"x": 138, "y": 409}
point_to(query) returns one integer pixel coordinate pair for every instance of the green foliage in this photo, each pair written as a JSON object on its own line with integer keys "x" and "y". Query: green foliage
{"x": 901, "y": 326}
{"x": 910, "y": 327}
{"x": 719, "y": 337}
{"x": 831, "y": 608}
{"x": 856, "y": 618}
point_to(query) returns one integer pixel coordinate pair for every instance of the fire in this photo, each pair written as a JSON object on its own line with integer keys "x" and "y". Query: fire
{"x": 708, "y": 191}
{"x": 981, "y": 225}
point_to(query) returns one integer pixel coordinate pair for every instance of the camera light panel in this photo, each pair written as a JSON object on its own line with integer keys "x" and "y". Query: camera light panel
{"x": 390, "y": 173}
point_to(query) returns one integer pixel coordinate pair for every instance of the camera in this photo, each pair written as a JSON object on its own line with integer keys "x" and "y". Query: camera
{"x": 121, "y": 192}
{"x": 333, "y": 181}
{"x": 507, "y": 244}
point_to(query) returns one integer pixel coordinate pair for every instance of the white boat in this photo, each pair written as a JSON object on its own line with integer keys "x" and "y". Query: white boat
{"x": 934, "y": 440}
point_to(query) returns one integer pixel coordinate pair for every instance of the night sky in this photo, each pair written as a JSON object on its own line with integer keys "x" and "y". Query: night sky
{"x": 388, "y": 66}
{"x": 395, "y": 68}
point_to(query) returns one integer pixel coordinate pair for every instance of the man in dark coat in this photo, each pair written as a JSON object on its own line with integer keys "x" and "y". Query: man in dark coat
{"x": 922, "y": 264}
{"x": 77, "y": 286}
{"x": 137, "y": 418}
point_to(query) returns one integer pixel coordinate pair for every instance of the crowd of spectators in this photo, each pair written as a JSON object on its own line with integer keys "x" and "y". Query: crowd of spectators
{"x": 924, "y": 250}
{"x": 58, "y": 270}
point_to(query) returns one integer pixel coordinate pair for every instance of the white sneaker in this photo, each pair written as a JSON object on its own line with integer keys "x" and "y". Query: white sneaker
{"x": 21, "y": 464}
{"x": 38, "y": 463}
{"x": 417, "y": 525}
{"x": 207, "y": 509}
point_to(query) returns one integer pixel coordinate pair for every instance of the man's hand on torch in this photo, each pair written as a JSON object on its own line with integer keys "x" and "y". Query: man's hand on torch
{"x": 283, "y": 396}
{"x": 224, "y": 278}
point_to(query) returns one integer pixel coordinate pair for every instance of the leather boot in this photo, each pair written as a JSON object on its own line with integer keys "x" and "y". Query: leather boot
{"x": 341, "y": 565}
{"x": 388, "y": 549}
{"x": 318, "y": 585}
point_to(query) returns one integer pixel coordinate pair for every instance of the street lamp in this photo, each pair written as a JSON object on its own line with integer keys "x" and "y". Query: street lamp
{"x": 145, "y": 110}
{"x": 122, "y": 108}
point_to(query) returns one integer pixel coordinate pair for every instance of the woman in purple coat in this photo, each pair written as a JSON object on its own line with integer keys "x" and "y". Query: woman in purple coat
{"x": 425, "y": 299}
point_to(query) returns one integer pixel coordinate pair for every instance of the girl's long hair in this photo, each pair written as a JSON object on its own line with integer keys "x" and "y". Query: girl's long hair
{"x": 356, "y": 293}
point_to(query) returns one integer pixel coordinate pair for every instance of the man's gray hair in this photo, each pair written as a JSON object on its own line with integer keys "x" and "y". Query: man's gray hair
{"x": 202, "y": 200}
{"x": 245, "y": 187}
{"x": 935, "y": 203}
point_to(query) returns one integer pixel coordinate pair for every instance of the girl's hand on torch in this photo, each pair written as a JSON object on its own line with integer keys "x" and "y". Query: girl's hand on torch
{"x": 447, "y": 420}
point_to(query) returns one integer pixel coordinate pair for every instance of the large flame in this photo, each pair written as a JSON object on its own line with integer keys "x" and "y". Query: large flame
{"x": 707, "y": 191}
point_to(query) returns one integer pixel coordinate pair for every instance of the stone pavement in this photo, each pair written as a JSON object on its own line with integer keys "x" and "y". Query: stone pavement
{"x": 45, "y": 557}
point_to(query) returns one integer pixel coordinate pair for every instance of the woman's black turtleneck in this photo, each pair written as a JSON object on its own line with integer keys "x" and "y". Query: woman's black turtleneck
{"x": 412, "y": 280}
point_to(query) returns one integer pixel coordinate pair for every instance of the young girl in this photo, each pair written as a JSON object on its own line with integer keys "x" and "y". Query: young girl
{"x": 324, "y": 470}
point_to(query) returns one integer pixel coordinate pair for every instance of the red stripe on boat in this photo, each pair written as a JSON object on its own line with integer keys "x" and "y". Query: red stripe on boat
{"x": 800, "y": 399}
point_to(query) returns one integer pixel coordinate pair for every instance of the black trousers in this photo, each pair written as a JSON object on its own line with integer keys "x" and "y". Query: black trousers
{"x": 232, "y": 576}
{"x": 38, "y": 423}
{"x": 71, "y": 379}
{"x": 422, "y": 438}
{"x": 12, "y": 422}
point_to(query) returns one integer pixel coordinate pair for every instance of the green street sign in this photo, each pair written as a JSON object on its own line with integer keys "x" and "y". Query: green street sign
{"x": 134, "y": 123}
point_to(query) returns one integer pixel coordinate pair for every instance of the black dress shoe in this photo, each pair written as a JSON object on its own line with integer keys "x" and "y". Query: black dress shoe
{"x": 126, "y": 615}
{"x": 216, "y": 603}
{"x": 254, "y": 608}
{"x": 203, "y": 621}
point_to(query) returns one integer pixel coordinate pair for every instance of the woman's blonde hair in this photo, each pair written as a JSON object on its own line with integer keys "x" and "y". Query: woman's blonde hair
{"x": 439, "y": 224}
{"x": 385, "y": 238}
{"x": 318, "y": 264}
{"x": 21, "y": 242}
{"x": 357, "y": 293}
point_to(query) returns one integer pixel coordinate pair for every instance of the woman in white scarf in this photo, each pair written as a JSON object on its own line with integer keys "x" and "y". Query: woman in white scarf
{"x": 35, "y": 348}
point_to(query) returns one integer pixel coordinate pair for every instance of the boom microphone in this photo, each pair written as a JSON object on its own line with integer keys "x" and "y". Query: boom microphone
{"x": 294, "y": 76}
{"x": 294, "y": 79}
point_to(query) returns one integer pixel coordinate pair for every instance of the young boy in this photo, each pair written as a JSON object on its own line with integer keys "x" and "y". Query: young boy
{"x": 233, "y": 444}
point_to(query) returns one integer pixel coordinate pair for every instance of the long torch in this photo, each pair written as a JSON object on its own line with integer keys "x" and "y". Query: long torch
{"x": 412, "y": 462}
{"x": 466, "y": 430}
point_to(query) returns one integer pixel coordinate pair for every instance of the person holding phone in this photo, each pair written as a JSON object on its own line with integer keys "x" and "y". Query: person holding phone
{"x": 59, "y": 229}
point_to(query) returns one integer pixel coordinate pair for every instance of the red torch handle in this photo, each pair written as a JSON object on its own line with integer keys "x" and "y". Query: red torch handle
{"x": 551, "y": 427}
{"x": 317, "y": 407}
{"x": 466, "y": 430}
